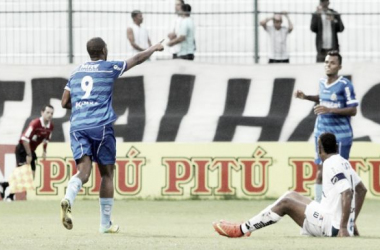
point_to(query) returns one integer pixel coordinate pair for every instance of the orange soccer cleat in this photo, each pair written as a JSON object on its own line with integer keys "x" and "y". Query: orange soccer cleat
{"x": 229, "y": 229}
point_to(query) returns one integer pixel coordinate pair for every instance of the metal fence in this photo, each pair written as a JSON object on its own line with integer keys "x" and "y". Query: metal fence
{"x": 227, "y": 31}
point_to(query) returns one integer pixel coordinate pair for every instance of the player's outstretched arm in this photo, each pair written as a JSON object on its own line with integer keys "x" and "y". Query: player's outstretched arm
{"x": 66, "y": 99}
{"x": 301, "y": 95}
{"x": 346, "y": 210}
{"x": 360, "y": 191}
{"x": 142, "y": 56}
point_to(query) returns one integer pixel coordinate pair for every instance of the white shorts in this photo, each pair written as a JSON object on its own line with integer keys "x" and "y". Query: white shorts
{"x": 317, "y": 222}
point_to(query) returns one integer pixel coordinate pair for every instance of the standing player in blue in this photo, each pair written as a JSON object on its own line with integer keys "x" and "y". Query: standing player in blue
{"x": 88, "y": 94}
{"x": 337, "y": 103}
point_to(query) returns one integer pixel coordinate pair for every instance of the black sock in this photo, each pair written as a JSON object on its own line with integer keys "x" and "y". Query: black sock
{"x": 11, "y": 196}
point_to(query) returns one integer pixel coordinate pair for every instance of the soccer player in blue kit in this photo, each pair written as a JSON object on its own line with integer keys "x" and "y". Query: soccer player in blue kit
{"x": 88, "y": 94}
{"x": 336, "y": 104}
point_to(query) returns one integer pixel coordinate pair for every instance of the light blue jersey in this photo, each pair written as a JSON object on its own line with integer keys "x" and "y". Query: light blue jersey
{"x": 91, "y": 87}
{"x": 339, "y": 94}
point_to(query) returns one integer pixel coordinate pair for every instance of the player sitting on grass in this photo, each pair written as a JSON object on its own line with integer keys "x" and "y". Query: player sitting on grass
{"x": 343, "y": 197}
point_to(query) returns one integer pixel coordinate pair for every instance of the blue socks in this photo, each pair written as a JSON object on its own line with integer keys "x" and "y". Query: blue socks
{"x": 106, "y": 205}
{"x": 75, "y": 184}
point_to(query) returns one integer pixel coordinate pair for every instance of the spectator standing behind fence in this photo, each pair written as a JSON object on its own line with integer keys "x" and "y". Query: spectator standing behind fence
{"x": 175, "y": 29}
{"x": 326, "y": 23}
{"x": 185, "y": 37}
{"x": 277, "y": 34}
{"x": 138, "y": 35}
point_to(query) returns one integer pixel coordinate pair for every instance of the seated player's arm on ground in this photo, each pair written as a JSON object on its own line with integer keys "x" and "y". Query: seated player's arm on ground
{"x": 349, "y": 111}
{"x": 360, "y": 193}
{"x": 142, "y": 56}
{"x": 346, "y": 210}
{"x": 66, "y": 99}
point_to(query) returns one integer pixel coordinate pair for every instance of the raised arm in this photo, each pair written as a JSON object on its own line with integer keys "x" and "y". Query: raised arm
{"x": 316, "y": 16}
{"x": 299, "y": 94}
{"x": 346, "y": 210}
{"x": 265, "y": 21}
{"x": 142, "y": 56}
{"x": 290, "y": 24}
{"x": 338, "y": 22}
{"x": 360, "y": 192}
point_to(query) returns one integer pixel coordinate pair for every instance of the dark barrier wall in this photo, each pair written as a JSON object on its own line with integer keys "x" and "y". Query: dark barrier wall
{"x": 185, "y": 102}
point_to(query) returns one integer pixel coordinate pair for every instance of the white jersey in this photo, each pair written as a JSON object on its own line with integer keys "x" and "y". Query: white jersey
{"x": 141, "y": 37}
{"x": 338, "y": 176}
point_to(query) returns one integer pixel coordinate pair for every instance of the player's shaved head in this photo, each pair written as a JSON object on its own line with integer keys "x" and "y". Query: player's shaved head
{"x": 328, "y": 143}
{"x": 95, "y": 47}
{"x": 336, "y": 53}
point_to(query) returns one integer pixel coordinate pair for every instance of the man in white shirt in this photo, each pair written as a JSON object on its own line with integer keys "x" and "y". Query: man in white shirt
{"x": 138, "y": 35}
{"x": 278, "y": 34}
{"x": 336, "y": 215}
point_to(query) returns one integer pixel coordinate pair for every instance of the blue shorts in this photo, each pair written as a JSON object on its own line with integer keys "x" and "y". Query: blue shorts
{"x": 99, "y": 143}
{"x": 344, "y": 151}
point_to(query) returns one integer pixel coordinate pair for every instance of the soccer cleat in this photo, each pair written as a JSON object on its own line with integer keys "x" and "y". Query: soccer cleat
{"x": 3, "y": 187}
{"x": 112, "y": 229}
{"x": 229, "y": 229}
{"x": 66, "y": 214}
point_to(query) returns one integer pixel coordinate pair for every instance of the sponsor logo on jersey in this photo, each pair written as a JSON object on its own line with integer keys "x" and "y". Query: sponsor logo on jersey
{"x": 333, "y": 97}
{"x": 81, "y": 104}
{"x": 89, "y": 67}
{"x": 115, "y": 67}
{"x": 330, "y": 104}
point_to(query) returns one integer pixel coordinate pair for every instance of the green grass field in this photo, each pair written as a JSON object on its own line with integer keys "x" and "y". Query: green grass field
{"x": 165, "y": 225}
